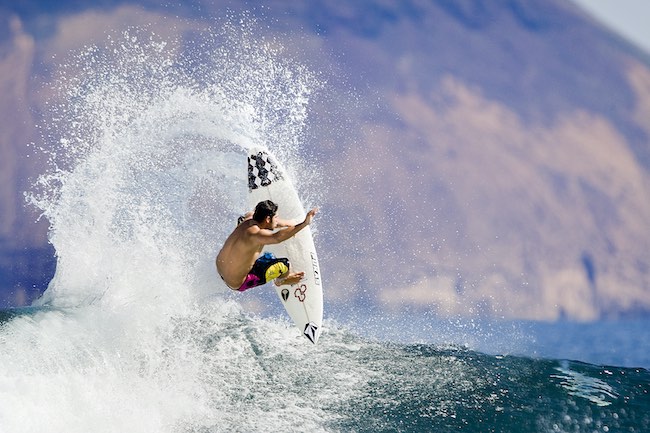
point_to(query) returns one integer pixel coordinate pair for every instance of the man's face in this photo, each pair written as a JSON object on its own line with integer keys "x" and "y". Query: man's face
{"x": 272, "y": 222}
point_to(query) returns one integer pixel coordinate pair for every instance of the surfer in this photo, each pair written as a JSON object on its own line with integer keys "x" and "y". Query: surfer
{"x": 240, "y": 262}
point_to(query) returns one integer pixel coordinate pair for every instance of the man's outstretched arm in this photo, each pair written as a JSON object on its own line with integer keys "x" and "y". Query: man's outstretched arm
{"x": 282, "y": 223}
{"x": 267, "y": 237}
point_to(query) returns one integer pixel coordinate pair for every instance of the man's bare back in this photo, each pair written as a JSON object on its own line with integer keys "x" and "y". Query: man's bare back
{"x": 244, "y": 246}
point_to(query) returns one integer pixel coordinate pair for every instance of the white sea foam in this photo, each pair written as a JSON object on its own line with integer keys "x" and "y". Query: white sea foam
{"x": 135, "y": 332}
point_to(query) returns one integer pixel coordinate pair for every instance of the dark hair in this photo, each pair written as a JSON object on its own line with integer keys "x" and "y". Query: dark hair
{"x": 264, "y": 209}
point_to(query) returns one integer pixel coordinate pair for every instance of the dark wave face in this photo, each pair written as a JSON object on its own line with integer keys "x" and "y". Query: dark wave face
{"x": 422, "y": 388}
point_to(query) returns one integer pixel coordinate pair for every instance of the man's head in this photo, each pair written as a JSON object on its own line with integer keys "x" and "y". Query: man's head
{"x": 265, "y": 209}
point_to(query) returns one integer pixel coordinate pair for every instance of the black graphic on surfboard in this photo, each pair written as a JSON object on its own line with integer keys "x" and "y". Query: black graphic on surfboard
{"x": 262, "y": 171}
{"x": 310, "y": 331}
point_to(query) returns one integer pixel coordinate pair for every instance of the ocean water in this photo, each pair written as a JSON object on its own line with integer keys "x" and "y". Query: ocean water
{"x": 622, "y": 343}
{"x": 217, "y": 369}
{"x": 136, "y": 334}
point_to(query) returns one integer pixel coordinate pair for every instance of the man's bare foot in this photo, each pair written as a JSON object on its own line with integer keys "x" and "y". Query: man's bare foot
{"x": 290, "y": 279}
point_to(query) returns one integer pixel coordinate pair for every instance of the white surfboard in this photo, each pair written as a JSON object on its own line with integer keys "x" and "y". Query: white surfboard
{"x": 267, "y": 180}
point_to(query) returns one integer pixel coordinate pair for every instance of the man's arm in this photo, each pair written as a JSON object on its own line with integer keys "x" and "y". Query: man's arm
{"x": 268, "y": 237}
{"x": 285, "y": 223}
{"x": 248, "y": 215}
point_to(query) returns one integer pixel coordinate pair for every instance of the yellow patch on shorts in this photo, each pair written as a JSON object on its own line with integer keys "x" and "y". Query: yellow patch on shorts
{"x": 274, "y": 271}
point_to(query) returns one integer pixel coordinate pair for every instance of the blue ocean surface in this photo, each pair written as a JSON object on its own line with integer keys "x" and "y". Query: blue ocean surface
{"x": 623, "y": 342}
{"x": 609, "y": 342}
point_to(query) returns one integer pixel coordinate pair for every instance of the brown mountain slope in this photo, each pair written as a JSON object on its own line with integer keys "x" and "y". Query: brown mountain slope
{"x": 482, "y": 156}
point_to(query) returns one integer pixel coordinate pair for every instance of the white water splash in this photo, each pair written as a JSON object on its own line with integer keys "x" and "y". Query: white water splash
{"x": 147, "y": 169}
{"x": 148, "y": 154}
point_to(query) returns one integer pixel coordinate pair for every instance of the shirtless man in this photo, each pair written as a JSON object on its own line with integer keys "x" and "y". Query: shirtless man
{"x": 240, "y": 262}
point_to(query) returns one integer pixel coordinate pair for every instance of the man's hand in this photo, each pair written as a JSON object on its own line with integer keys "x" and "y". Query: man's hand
{"x": 310, "y": 215}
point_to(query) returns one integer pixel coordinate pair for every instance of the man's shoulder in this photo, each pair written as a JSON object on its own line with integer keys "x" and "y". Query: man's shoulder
{"x": 249, "y": 228}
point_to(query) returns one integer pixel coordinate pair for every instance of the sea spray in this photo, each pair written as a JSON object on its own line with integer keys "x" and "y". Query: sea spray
{"x": 147, "y": 176}
{"x": 147, "y": 148}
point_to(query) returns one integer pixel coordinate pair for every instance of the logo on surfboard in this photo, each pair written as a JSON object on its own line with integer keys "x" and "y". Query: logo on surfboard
{"x": 262, "y": 171}
{"x": 315, "y": 268}
{"x": 300, "y": 293}
{"x": 310, "y": 331}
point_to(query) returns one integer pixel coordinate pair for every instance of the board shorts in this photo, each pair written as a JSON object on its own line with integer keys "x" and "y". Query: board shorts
{"x": 266, "y": 268}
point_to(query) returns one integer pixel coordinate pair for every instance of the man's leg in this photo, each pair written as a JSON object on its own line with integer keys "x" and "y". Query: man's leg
{"x": 279, "y": 271}
{"x": 289, "y": 279}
